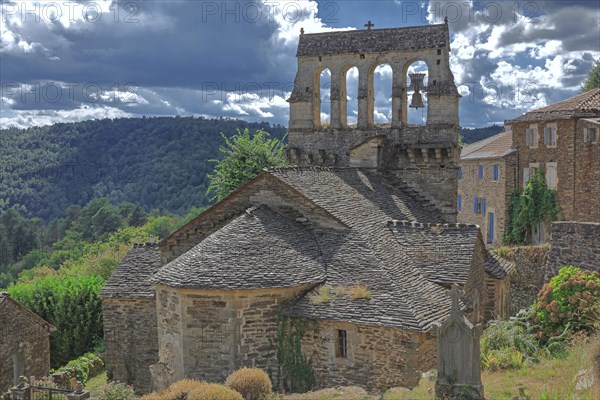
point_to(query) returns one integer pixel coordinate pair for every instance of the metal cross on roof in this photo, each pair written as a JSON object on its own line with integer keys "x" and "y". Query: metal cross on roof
{"x": 369, "y": 25}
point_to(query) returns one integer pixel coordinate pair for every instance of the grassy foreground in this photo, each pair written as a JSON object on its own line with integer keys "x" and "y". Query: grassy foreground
{"x": 551, "y": 379}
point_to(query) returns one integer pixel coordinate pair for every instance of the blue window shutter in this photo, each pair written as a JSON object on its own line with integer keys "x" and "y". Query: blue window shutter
{"x": 459, "y": 206}
{"x": 482, "y": 206}
{"x": 475, "y": 205}
{"x": 527, "y": 137}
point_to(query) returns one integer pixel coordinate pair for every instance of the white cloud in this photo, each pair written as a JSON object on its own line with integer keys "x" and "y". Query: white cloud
{"x": 27, "y": 118}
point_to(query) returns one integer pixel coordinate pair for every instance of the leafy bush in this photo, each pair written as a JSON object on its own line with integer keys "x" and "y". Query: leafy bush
{"x": 117, "y": 391}
{"x": 72, "y": 305}
{"x": 509, "y": 344}
{"x": 571, "y": 299}
{"x": 82, "y": 368}
{"x": 251, "y": 383}
{"x": 212, "y": 391}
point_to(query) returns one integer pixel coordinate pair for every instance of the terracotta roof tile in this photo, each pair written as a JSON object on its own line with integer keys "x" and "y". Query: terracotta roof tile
{"x": 583, "y": 105}
{"x": 496, "y": 146}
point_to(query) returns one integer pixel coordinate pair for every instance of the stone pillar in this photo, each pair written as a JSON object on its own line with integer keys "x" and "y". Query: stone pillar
{"x": 365, "y": 103}
{"x": 458, "y": 355}
{"x": 335, "y": 96}
{"x": 397, "y": 83}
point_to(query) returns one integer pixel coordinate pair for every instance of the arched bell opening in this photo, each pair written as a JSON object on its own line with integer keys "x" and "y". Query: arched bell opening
{"x": 349, "y": 97}
{"x": 415, "y": 102}
{"x": 382, "y": 95}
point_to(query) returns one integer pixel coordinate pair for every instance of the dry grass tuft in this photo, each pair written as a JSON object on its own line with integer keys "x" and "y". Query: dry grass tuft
{"x": 321, "y": 295}
{"x": 251, "y": 383}
{"x": 213, "y": 391}
{"x": 359, "y": 291}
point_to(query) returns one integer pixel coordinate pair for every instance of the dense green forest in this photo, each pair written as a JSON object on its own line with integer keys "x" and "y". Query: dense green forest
{"x": 476, "y": 134}
{"x": 158, "y": 163}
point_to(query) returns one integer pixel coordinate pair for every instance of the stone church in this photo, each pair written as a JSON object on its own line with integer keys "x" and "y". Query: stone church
{"x": 364, "y": 207}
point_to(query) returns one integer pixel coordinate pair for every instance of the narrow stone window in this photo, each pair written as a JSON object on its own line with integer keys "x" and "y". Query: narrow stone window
{"x": 439, "y": 52}
{"x": 480, "y": 172}
{"x": 342, "y": 344}
{"x": 459, "y": 203}
{"x": 496, "y": 172}
{"x": 459, "y": 172}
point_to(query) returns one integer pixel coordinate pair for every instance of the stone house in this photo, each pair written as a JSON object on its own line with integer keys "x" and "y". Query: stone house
{"x": 129, "y": 309}
{"x": 24, "y": 343}
{"x": 563, "y": 141}
{"x": 367, "y": 207}
{"x": 486, "y": 179}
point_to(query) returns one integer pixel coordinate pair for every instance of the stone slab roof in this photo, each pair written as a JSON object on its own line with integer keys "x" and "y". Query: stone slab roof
{"x": 585, "y": 105}
{"x": 6, "y": 300}
{"x": 258, "y": 249}
{"x": 498, "y": 267}
{"x": 374, "y": 40}
{"x": 131, "y": 277}
{"x": 443, "y": 252}
{"x": 496, "y": 146}
{"x": 361, "y": 248}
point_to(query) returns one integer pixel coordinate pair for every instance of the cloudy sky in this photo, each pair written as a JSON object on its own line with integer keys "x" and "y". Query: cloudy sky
{"x": 64, "y": 61}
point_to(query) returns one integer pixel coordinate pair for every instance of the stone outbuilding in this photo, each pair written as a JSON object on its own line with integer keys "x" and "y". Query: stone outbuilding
{"x": 129, "y": 309}
{"x": 24, "y": 343}
{"x": 487, "y": 177}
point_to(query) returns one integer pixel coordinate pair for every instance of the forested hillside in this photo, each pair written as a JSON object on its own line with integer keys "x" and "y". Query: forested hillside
{"x": 476, "y": 134}
{"x": 158, "y": 163}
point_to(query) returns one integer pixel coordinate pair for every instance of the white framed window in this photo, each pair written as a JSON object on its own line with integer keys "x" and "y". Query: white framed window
{"x": 551, "y": 177}
{"x": 550, "y": 137}
{"x": 590, "y": 135}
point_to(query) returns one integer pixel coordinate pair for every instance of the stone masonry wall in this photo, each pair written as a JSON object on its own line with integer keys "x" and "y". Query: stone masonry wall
{"x": 378, "y": 358}
{"x": 528, "y": 278}
{"x": 574, "y": 243}
{"x": 20, "y": 334}
{"x": 587, "y": 176}
{"x": 216, "y": 332}
{"x": 496, "y": 193}
{"x": 131, "y": 340}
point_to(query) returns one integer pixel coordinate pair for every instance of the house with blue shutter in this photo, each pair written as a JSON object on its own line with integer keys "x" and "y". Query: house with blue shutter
{"x": 486, "y": 179}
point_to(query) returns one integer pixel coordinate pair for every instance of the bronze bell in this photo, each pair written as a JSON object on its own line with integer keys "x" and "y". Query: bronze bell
{"x": 416, "y": 83}
{"x": 417, "y": 101}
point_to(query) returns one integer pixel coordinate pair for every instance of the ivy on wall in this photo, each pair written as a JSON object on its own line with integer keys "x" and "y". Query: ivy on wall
{"x": 295, "y": 372}
{"x": 528, "y": 207}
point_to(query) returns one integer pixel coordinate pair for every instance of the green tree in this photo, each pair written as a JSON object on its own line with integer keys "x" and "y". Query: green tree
{"x": 527, "y": 208}
{"x": 244, "y": 156}
{"x": 593, "y": 78}
{"x": 138, "y": 217}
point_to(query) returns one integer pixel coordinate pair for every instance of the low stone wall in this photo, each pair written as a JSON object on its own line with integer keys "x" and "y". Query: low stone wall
{"x": 528, "y": 279}
{"x": 574, "y": 243}
{"x": 378, "y": 358}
